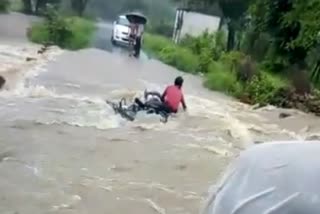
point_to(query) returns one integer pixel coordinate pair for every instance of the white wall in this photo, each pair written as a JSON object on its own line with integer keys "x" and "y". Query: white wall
{"x": 196, "y": 23}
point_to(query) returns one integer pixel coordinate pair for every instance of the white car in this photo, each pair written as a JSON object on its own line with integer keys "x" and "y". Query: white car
{"x": 120, "y": 31}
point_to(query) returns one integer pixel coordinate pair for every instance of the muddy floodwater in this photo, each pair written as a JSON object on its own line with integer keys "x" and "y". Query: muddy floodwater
{"x": 63, "y": 150}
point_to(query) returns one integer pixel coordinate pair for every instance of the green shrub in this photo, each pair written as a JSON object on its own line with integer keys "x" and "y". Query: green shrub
{"x": 205, "y": 59}
{"x": 263, "y": 88}
{"x": 180, "y": 58}
{"x": 4, "y": 6}
{"x": 215, "y": 42}
{"x": 39, "y": 33}
{"x": 66, "y": 32}
{"x": 82, "y": 31}
{"x": 71, "y": 32}
{"x": 201, "y": 46}
{"x": 154, "y": 43}
{"x": 208, "y": 46}
{"x": 219, "y": 78}
{"x": 232, "y": 59}
{"x": 168, "y": 52}
{"x": 161, "y": 28}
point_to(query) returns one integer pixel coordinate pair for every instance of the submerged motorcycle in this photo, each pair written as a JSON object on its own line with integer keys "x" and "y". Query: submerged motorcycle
{"x": 129, "y": 112}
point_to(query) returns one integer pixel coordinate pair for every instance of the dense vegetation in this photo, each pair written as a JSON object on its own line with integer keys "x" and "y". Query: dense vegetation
{"x": 67, "y": 32}
{"x": 63, "y": 23}
{"x": 4, "y": 6}
{"x": 269, "y": 55}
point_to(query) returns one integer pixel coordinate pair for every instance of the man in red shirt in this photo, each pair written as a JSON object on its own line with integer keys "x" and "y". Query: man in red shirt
{"x": 168, "y": 102}
{"x": 173, "y": 96}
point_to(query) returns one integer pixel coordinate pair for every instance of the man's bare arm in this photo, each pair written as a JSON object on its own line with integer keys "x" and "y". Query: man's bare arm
{"x": 164, "y": 95}
{"x": 183, "y": 103}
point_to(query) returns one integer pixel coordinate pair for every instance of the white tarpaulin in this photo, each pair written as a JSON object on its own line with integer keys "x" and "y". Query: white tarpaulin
{"x": 272, "y": 178}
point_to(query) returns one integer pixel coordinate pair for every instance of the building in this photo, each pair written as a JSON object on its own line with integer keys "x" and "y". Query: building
{"x": 192, "y": 23}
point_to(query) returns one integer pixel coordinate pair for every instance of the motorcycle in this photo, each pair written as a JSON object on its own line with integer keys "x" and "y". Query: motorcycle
{"x": 129, "y": 112}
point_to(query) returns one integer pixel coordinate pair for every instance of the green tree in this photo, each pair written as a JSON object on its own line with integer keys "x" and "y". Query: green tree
{"x": 4, "y": 5}
{"x": 39, "y": 6}
{"x": 292, "y": 26}
{"x": 233, "y": 14}
{"x": 27, "y": 6}
{"x": 79, "y": 6}
{"x": 293, "y": 30}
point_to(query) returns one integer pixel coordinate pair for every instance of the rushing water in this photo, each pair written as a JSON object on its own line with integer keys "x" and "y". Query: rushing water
{"x": 63, "y": 150}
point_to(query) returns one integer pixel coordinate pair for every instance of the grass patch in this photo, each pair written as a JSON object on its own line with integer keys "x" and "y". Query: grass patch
{"x": 219, "y": 78}
{"x": 82, "y": 32}
{"x": 39, "y": 33}
{"x": 276, "y": 80}
{"x": 71, "y": 32}
{"x": 168, "y": 52}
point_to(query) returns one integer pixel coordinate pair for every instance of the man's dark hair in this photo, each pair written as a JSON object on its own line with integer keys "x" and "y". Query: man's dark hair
{"x": 178, "y": 81}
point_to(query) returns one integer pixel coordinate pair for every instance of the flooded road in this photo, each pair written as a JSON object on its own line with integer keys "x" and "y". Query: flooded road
{"x": 63, "y": 150}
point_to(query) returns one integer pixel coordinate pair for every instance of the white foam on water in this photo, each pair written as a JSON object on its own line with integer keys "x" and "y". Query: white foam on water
{"x": 85, "y": 112}
{"x": 100, "y": 123}
{"x": 15, "y": 68}
{"x": 128, "y": 94}
{"x": 219, "y": 111}
{"x": 12, "y": 59}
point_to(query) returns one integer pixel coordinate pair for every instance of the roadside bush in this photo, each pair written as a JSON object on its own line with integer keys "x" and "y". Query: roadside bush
{"x": 209, "y": 47}
{"x": 263, "y": 88}
{"x": 161, "y": 28}
{"x": 181, "y": 58}
{"x": 39, "y": 33}
{"x": 168, "y": 52}
{"x": 232, "y": 59}
{"x": 219, "y": 78}
{"x": 4, "y": 6}
{"x": 82, "y": 31}
{"x": 205, "y": 60}
{"x": 196, "y": 44}
{"x": 214, "y": 42}
{"x": 67, "y": 32}
{"x": 153, "y": 44}
{"x": 246, "y": 69}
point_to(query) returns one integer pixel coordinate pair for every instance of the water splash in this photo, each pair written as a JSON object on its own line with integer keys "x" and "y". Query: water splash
{"x": 16, "y": 69}
{"x": 222, "y": 114}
